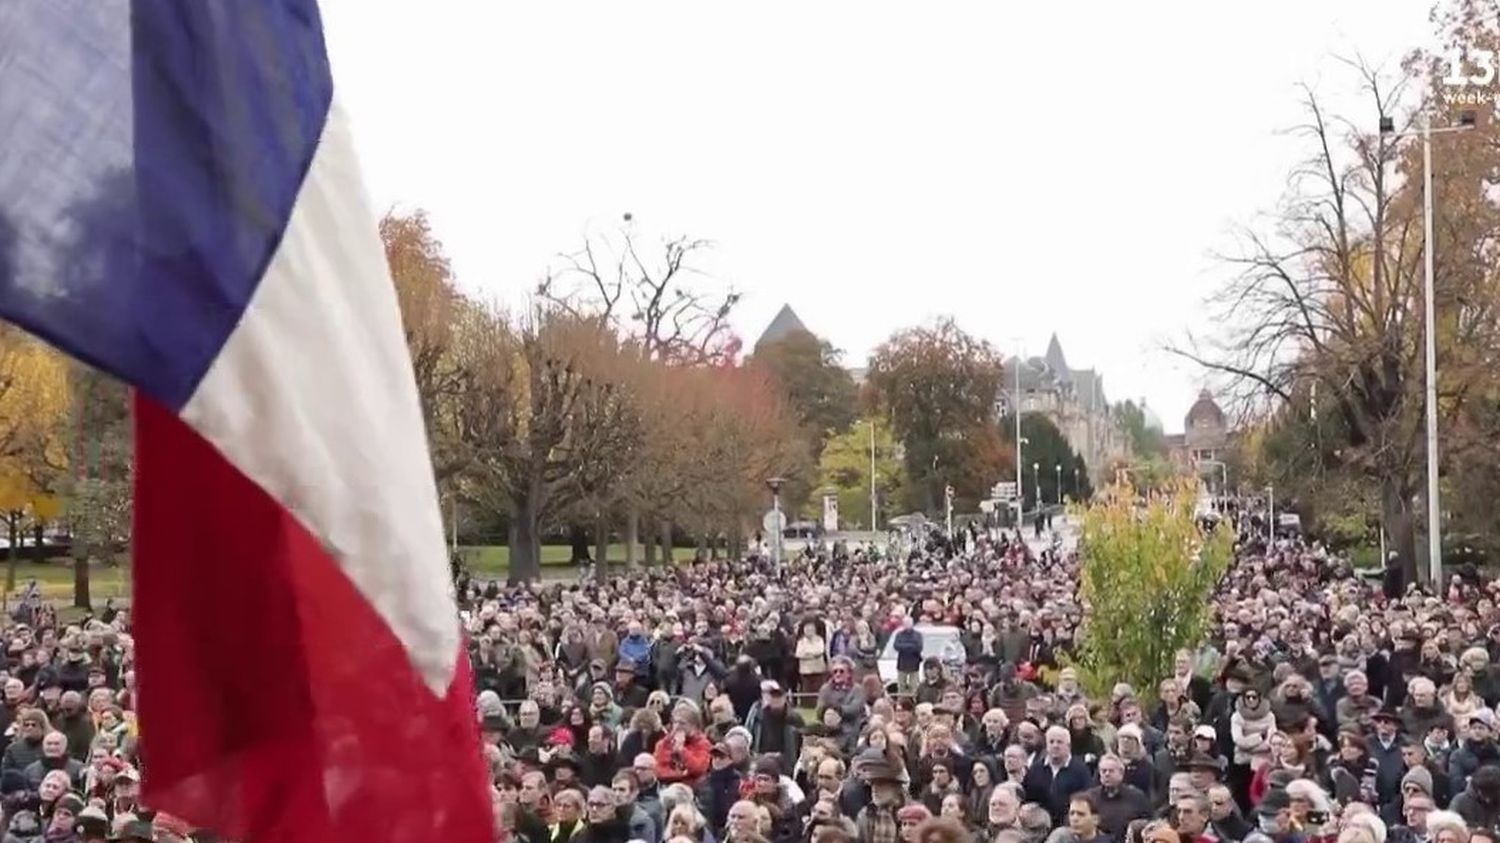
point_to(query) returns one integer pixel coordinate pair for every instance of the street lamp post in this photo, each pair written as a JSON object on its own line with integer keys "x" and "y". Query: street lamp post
{"x": 774, "y": 484}
{"x": 1076, "y": 496}
{"x": 1434, "y": 521}
{"x": 1016, "y": 409}
{"x": 1059, "y": 483}
{"x": 874, "y": 527}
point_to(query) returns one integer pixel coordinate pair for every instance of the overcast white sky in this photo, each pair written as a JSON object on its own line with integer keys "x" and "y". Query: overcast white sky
{"x": 1027, "y": 167}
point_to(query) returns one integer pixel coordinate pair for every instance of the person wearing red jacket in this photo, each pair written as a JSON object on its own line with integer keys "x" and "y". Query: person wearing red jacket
{"x": 683, "y": 755}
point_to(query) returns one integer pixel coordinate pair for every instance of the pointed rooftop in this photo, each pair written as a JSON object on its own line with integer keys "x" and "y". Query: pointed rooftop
{"x": 1056, "y": 361}
{"x": 784, "y": 324}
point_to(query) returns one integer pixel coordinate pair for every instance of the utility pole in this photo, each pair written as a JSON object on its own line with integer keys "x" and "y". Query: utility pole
{"x": 874, "y": 526}
{"x": 1466, "y": 121}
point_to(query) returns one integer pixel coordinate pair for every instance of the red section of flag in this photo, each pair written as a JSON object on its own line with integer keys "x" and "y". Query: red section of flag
{"x": 275, "y": 704}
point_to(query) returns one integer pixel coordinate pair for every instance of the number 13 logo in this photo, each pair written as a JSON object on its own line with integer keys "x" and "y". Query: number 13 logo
{"x": 1483, "y": 61}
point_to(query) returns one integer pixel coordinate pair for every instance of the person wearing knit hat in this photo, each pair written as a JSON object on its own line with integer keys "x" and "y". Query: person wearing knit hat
{"x": 1419, "y": 778}
{"x": 64, "y": 816}
{"x": 92, "y": 824}
{"x": 908, "y": 817}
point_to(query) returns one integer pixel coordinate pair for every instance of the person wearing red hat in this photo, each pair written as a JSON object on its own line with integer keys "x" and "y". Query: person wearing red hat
{"x": 908, "y": 818}
{"x": 169, "y": 829}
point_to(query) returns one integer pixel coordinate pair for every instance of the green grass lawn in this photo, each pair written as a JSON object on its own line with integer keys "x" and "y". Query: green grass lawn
{"x": 494, "y": 559}
{"x": 55, "y": 579}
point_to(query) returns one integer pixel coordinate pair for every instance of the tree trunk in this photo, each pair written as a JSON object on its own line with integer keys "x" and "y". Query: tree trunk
{"x": 81, "y": 596}
{"x": 666, "y": 543}
{"x": 632, "y": 536}
{"x": 1400, "y": 528}
{"x": 736, "y": 540}
{"x": 578, "y": 541}
{"x": 650, "y": 545}
{"x": 525, "y": 539}
{"x": 13, "y": 558}
{"x": 601, "y": 546}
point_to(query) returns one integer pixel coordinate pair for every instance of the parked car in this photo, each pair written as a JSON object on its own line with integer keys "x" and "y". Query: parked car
{"x": 938, "y": 640}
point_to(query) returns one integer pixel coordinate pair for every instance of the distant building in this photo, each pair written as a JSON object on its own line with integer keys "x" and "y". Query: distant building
{"x": 1205, "y": 436}
{"x": 1073, "y": 399}
{"x": 784, "y": 324}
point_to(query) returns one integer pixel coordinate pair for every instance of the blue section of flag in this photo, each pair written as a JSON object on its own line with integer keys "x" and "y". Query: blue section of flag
{"x": 150, "y": 155}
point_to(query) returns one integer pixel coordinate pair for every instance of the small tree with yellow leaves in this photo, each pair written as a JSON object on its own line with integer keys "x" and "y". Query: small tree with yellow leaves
{"x": 34, "y": 406}
{"x": 1148, "y": 577}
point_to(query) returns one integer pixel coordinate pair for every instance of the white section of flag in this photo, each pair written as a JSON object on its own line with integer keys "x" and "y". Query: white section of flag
{"x": 314, "y": 399}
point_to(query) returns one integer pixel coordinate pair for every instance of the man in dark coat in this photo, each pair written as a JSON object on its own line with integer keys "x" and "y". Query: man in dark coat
{"x": 908, "y": 647}
{"x": 1056, "y": 775}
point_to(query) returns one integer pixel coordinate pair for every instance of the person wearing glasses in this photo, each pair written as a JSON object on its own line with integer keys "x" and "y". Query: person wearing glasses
{"x": 31, "y": 727}
{"x": 607, "y": 821}
{"x": 1225, "y": 821}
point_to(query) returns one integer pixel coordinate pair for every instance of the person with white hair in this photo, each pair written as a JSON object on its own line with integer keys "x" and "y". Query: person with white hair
{"x": 1311, "y": 808}
{"x": 1447, "y": 827}
{"x": 1057, "y": 775}
{"x": 1425, "y": 710}
{"x": 1359, "y": 817}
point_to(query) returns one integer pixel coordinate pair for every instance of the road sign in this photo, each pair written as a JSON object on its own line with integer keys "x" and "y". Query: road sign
{"x": 1005, "y": 491}
{"x": 986, "y": 506}
{"x": 774, "y": 522}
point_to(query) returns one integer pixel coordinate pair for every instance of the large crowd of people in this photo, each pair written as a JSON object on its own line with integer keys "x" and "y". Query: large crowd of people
{"x": 851, "y": 693}
{"x": 766, "y": 703}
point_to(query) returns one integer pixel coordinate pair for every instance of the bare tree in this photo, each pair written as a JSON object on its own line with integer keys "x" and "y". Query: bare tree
{"x": 655, "y": 298}
{"x": 1330, "y": 301}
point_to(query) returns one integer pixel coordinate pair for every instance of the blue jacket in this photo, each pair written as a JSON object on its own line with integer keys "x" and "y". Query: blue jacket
{"x": 637, "y": 648}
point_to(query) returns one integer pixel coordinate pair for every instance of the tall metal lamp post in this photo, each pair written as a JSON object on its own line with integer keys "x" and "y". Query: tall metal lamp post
{"x": 1059, "y": 483}
{"x": 874, "y": 527}
{"x": 1434, "y": 519}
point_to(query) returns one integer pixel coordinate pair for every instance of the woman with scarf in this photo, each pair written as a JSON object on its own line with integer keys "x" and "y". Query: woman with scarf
{"x": 1460, "y": 700}
{"x": 1087, "y": 745}
{"x": 981, "y": 785}
{"x": 572, "y": 654}
{"x": 602, "y": 706}
{"x": 864, "y": 651}
{"x": 1250, "y": 728}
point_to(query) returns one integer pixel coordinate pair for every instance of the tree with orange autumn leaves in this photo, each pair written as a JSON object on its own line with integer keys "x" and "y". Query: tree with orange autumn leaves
{"x": 617, "y": 405}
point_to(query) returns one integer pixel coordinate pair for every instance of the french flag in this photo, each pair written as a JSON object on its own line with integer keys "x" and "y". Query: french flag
{"x": 180, "y": 205}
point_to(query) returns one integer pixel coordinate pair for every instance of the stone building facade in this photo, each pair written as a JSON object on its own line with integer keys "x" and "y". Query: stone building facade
{"x": 1205, "y": 436}
{"x": 1074, "y": 400}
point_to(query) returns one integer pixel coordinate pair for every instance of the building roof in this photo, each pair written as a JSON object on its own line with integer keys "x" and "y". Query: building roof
{"x": 1051, "y": 371}
{"x": 1206, "y": 409}
{"x": 1035, "y": 374}
{"x": 783, "y": 324}
{"x": 1089, "y": 385}
{"x": 1056, "y": 361}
